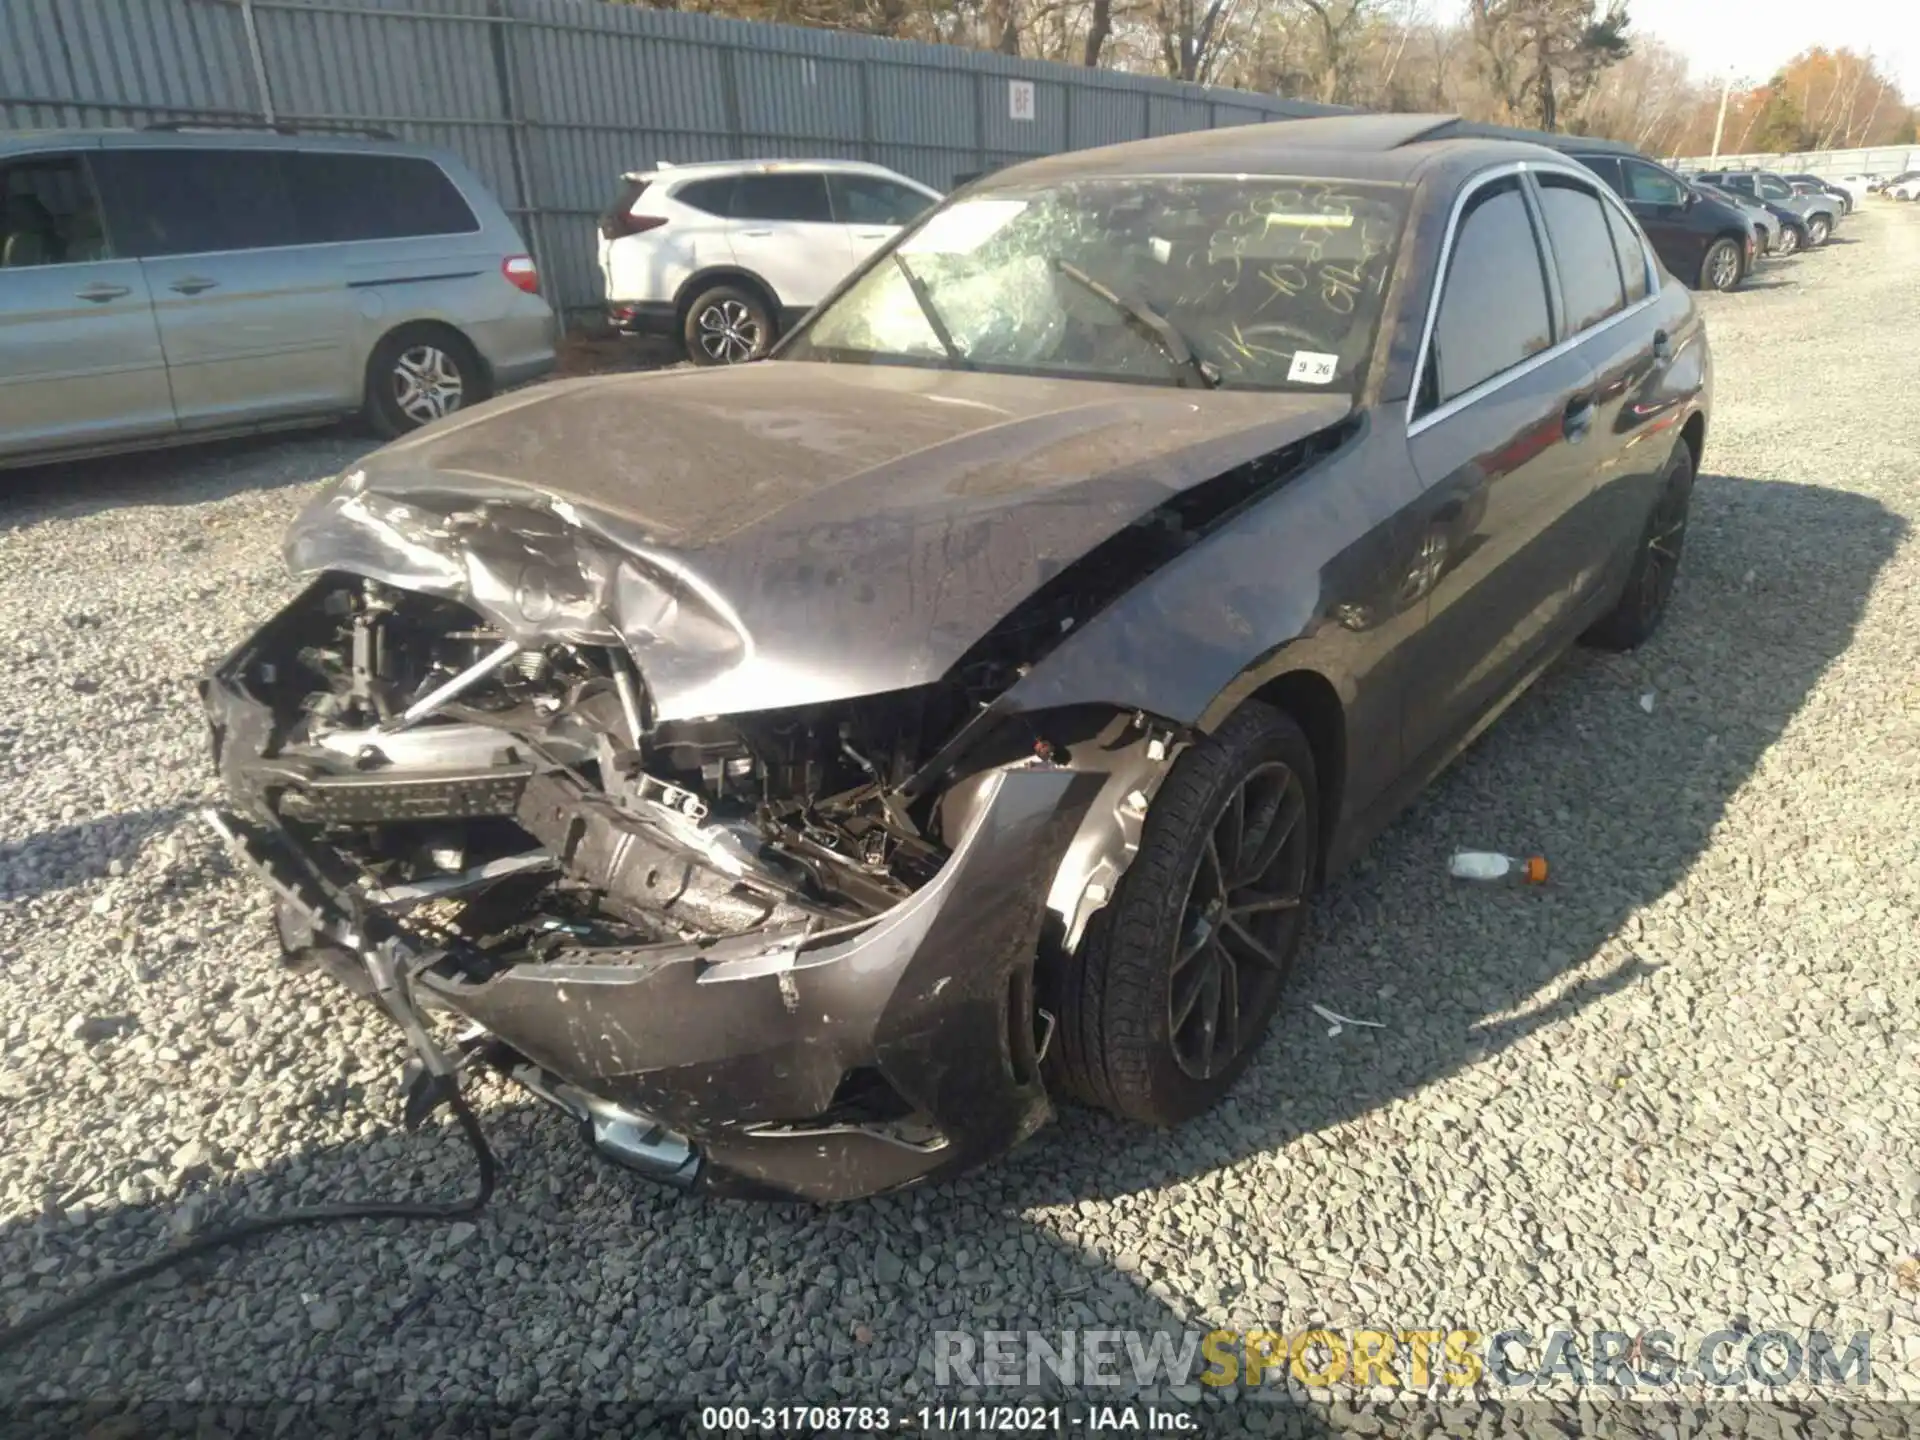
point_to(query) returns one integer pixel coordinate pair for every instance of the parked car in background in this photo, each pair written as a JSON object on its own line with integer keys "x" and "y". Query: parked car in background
{"x": 820, "y": 768}
{"x": 725, "y": 257}
{"x": 1903, "y": 187}
{"x": 1857, "y": 186}
{"x": 1782, "y": 232}
{"x": 1710, "y": 244}
{"x": 1820, "y": 211}
{"x": 161, "y": 286}
{"x": 1841, "y": 196}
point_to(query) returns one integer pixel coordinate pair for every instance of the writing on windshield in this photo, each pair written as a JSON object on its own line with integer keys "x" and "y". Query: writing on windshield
{"x": 1242, "y": 281}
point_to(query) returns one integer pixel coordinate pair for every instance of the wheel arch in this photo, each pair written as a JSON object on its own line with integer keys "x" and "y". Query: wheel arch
{"x": 1693, "y": 435}
{"x": 429, "y": 325}
{"x": 703, "y": 280}
{"x": 1312, "y": 702}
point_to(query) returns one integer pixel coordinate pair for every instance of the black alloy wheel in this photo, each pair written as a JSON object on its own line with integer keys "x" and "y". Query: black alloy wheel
{"x": 1239, "y": 925}
{"x": 1164, "y": 1001}
{"x": 1656, "y": 563}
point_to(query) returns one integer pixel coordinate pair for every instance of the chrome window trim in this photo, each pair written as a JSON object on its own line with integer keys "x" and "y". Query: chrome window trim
{"x": 1416, "y": 425}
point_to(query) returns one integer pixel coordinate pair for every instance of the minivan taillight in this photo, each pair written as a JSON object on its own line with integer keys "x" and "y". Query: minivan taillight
{"x": 521, "y": 273}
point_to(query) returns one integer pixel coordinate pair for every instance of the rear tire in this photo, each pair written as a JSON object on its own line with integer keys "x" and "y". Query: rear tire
{"x": 1656, "y": 564}
{"x": 1179, "y": 975}
{"x": 727, "y": 325}
{"x": 1723, "y": 267}
{"x": 419, "y": 374}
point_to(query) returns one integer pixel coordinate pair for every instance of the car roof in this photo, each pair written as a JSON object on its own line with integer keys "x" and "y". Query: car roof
{"x": 698, "y": 169}
{"x": 214, "y": 138}
{"x": 1384, "y": 148}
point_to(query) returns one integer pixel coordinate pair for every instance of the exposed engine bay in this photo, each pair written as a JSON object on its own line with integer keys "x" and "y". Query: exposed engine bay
{"x": 437, "y": 759}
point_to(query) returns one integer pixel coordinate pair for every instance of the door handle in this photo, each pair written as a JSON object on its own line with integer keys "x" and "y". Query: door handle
{"x": 1662, "y": 346}
{"x": 872, "y": 234}
{"x": 757, "y": 234}
{"x": 101, "y": 292}
{"x": 1578, "y": 418}
{"x": 192, "y": 284}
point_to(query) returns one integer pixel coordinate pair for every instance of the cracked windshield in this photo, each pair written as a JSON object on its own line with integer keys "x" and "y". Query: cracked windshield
{"x": 1187, "y": 281}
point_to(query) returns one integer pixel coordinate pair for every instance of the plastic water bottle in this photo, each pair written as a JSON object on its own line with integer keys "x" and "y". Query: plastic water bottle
{"x": 1488, "y": 865}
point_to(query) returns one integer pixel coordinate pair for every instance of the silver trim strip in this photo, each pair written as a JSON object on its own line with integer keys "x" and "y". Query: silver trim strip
{"x": 1552, "y": 352}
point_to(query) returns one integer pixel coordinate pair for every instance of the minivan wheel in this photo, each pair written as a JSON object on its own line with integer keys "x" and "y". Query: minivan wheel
{"x": 420, "y": 374}
{"x": 727, "y": 326}
{"x": 1818, "y": 230}
{"x": 1180, "y": 973}
{"x": 1656, "y": 563}
{"x": 1722, "y": 266}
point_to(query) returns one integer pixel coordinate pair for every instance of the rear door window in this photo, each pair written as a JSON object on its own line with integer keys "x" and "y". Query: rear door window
{"x": 1632, "y": 253}
{"x": 340, "y": 196}
{"x": 1650, "y": 185}
{"x": 1607, "y": 167}
{"x": 1772, "y": 189}
{"x": 1582, "y": 251}
{"x": 1493, "y": 305}
{"x": 48, "y": 214}
{"x": 870, "y": 200}
{"x": 790, "y": 196}
{"x": 194, "y": 202}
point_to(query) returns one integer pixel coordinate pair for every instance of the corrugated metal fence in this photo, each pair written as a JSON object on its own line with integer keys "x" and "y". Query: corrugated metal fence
{"x": 550, "y": 100}
{"x": 1877, "y": 160}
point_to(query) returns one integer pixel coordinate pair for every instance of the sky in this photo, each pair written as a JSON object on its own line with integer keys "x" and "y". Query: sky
{"x": 1755, "y": 38}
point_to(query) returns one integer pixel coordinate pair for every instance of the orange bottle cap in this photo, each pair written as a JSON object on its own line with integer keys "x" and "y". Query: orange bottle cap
{"x": 1536, "y": 870}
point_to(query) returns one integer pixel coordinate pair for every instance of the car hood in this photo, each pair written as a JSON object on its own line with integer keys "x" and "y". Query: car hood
{"x": 783, "y": 533}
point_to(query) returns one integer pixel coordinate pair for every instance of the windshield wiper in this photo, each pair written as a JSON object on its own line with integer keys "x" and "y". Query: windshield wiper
{"x": 1158, "y": 328}
{"x": 923, "y": 297}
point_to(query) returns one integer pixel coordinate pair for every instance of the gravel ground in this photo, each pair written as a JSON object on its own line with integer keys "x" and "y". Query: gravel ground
{"x": 1679, "y": 1087}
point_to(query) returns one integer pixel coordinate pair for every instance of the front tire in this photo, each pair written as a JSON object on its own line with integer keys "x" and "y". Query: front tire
{"x": 1818, "y": 230}
{"x": 1179, "y": 975}
{"x": 727, "y": 325}
{"x": 1723, "y": 267}
{"x": 1789, "y": 240}
{"x": 1656, "y": 564}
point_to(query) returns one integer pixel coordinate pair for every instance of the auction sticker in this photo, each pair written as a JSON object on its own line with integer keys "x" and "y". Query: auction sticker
{"x": 1310, "y": 367}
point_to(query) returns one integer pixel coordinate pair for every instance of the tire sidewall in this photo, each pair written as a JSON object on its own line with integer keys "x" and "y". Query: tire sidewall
{"x": 1254, "y": 735}
{"x": 715, "y": 295}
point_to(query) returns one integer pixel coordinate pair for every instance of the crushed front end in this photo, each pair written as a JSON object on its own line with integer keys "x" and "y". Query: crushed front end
{"x": 788, "y": 953}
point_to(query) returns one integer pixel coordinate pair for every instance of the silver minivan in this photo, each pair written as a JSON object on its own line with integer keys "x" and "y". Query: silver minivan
{"x": 160, "y": 286}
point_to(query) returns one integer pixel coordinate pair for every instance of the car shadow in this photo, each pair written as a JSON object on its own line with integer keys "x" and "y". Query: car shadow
{"x": 586, "y": 1283}
{"x": 68, "y": 855}
{"x": 189, "y": 474}
{"x": 1767, "y": 284}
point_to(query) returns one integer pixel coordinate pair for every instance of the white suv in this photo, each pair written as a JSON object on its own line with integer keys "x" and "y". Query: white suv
{"x": 725, "y": 256}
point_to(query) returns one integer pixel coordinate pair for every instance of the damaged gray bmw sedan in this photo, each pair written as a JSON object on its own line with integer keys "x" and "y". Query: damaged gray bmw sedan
{"x": 804, "y": 773}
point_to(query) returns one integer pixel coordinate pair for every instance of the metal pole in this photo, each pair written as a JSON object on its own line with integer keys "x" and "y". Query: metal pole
{"x": 259, "y": 59}
{"x": 1720, "y": 122}
{"x": 500, "y": 43}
